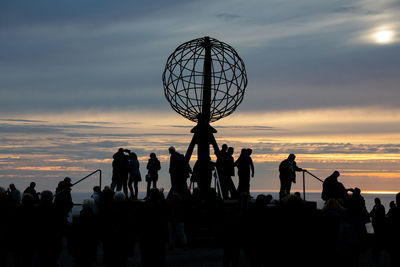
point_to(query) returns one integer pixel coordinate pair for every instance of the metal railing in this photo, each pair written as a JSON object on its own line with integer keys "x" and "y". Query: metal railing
{"x": 84, "y": 178}
{"x": 304, "y": 181}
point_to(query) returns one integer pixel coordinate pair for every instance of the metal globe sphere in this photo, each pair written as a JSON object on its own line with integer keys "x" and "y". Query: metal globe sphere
{"x": 183, "y": 79}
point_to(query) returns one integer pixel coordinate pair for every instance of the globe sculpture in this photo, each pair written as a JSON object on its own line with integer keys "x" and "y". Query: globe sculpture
{"x": 204, "y": 80}
{"x": 184, "y": 79}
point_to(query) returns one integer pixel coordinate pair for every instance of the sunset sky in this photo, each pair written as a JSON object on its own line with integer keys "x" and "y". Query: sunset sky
{"x": 80, "y": 79}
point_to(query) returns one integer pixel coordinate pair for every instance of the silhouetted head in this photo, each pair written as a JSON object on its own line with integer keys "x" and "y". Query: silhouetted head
{"x": 291, "y": 157}
{"x": 398, "y": 199}
{"x": 224, "y": 147}
{"x": 12, "y": 187}
{"x": 357, "y": 191}
{"x": 32, "y": 185}
{"x": 97, "y": 189}
{"x": 249, "y": 151}
{"x": 121, "y": 150}
{"x": 336, "y": 174}
{"x": 230, "y": 150}
{"x": 153, "y": 155}
{"x": 297, "y": 194}
{"x": 243, "y": 152}
{"x": 171, "y": 149}
{"x": 106, "y": 188}
{"x": 67, "y": 179}
{"x": 377, "y": 201}
{"x": 46, "y": 197}
{"x": 132, "y": 155}
{"x": 392, "y": 205}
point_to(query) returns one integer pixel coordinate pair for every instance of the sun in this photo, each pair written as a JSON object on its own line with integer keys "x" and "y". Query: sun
{"x": 383, "y": 37}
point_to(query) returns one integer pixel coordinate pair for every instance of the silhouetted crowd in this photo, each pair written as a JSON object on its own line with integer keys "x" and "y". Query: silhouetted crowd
{"x": 112, "y": 223}
{"x": 126, "y": 173}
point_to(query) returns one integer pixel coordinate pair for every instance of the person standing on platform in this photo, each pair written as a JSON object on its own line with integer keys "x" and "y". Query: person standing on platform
{"x": 120, "y": 171}
{"x": 287, "y": 175}
{"x": 134, "y": 175}
{"x": 249, "y": 152}
{"x": 179, "y": 170}
{"x": 243, "y": 165}
{"x": 153, "y": 166}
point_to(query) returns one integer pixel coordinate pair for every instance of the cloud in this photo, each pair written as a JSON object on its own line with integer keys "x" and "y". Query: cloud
{"x": 65, "y": 56}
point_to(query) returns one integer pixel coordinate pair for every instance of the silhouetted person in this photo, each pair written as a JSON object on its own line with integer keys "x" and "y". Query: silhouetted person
{"x": 225, "y": 167}
{"x": 63, "y": 199}
{"x": 220, "y": 164}
{"x": 49, "y": 231}
{"x": 14, "y": 195}
{"x": 179, "y": 170}
{"x": 287, "y": 175}
{"x": 176, "y": 220}
{"x": 120, "y": 166}
{"x": 392, "y": 210}
{"x": 332, "y": 188}
{"x": 106, "y": 199}
{"x": 230, "y": 171}
{"x": 332, "y": 217}
{"x": 96, "y": 198}
{"x": 134, "y": 175}
{"x": 85, "y": 235}
{"x": 244, "y": 166}
{"x": 232, "y": 235}
{"x": 25, "y": 232}
{"x": 378, "y": 218}
{"x": 31, "y": 190}
{"x": 154, "y": 230}
{"x": 6, "y": 212}
{"x": 352, "y": 232}
{"x": 393, "y": 234}
{"x": 153, "y": 166}
{"x": 119, "y": 231}
{"x": 249, "y": 152}
{"x": 355, "y": 204}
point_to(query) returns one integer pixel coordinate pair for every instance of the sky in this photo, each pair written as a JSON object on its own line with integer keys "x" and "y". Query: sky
{"x": 80, "y": 79}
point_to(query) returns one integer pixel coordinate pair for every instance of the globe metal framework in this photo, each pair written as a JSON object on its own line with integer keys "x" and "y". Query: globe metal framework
{"x": 184, "y": 79}
{"x": 204, "y": 80}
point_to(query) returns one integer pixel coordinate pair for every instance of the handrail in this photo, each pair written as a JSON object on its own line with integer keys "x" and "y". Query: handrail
{"x": 314, "y": 176}
{"x": 80, "y": 180}
{"x": 304, "y": 182}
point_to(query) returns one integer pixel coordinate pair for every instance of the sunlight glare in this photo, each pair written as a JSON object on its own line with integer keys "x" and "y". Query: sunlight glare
{"x": 383, "y": 37}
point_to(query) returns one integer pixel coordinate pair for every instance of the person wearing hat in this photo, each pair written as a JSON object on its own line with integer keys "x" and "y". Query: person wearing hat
{"x": 287, "y": 175}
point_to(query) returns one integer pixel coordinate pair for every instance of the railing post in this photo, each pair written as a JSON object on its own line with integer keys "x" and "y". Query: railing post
{"x": 100, "y": 178}
{"x": 304, "y": 186}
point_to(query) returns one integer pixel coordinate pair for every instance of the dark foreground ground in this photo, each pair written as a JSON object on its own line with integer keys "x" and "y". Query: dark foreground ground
{"x": 295, "y": 235}
{"x": 210, "y": 257}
